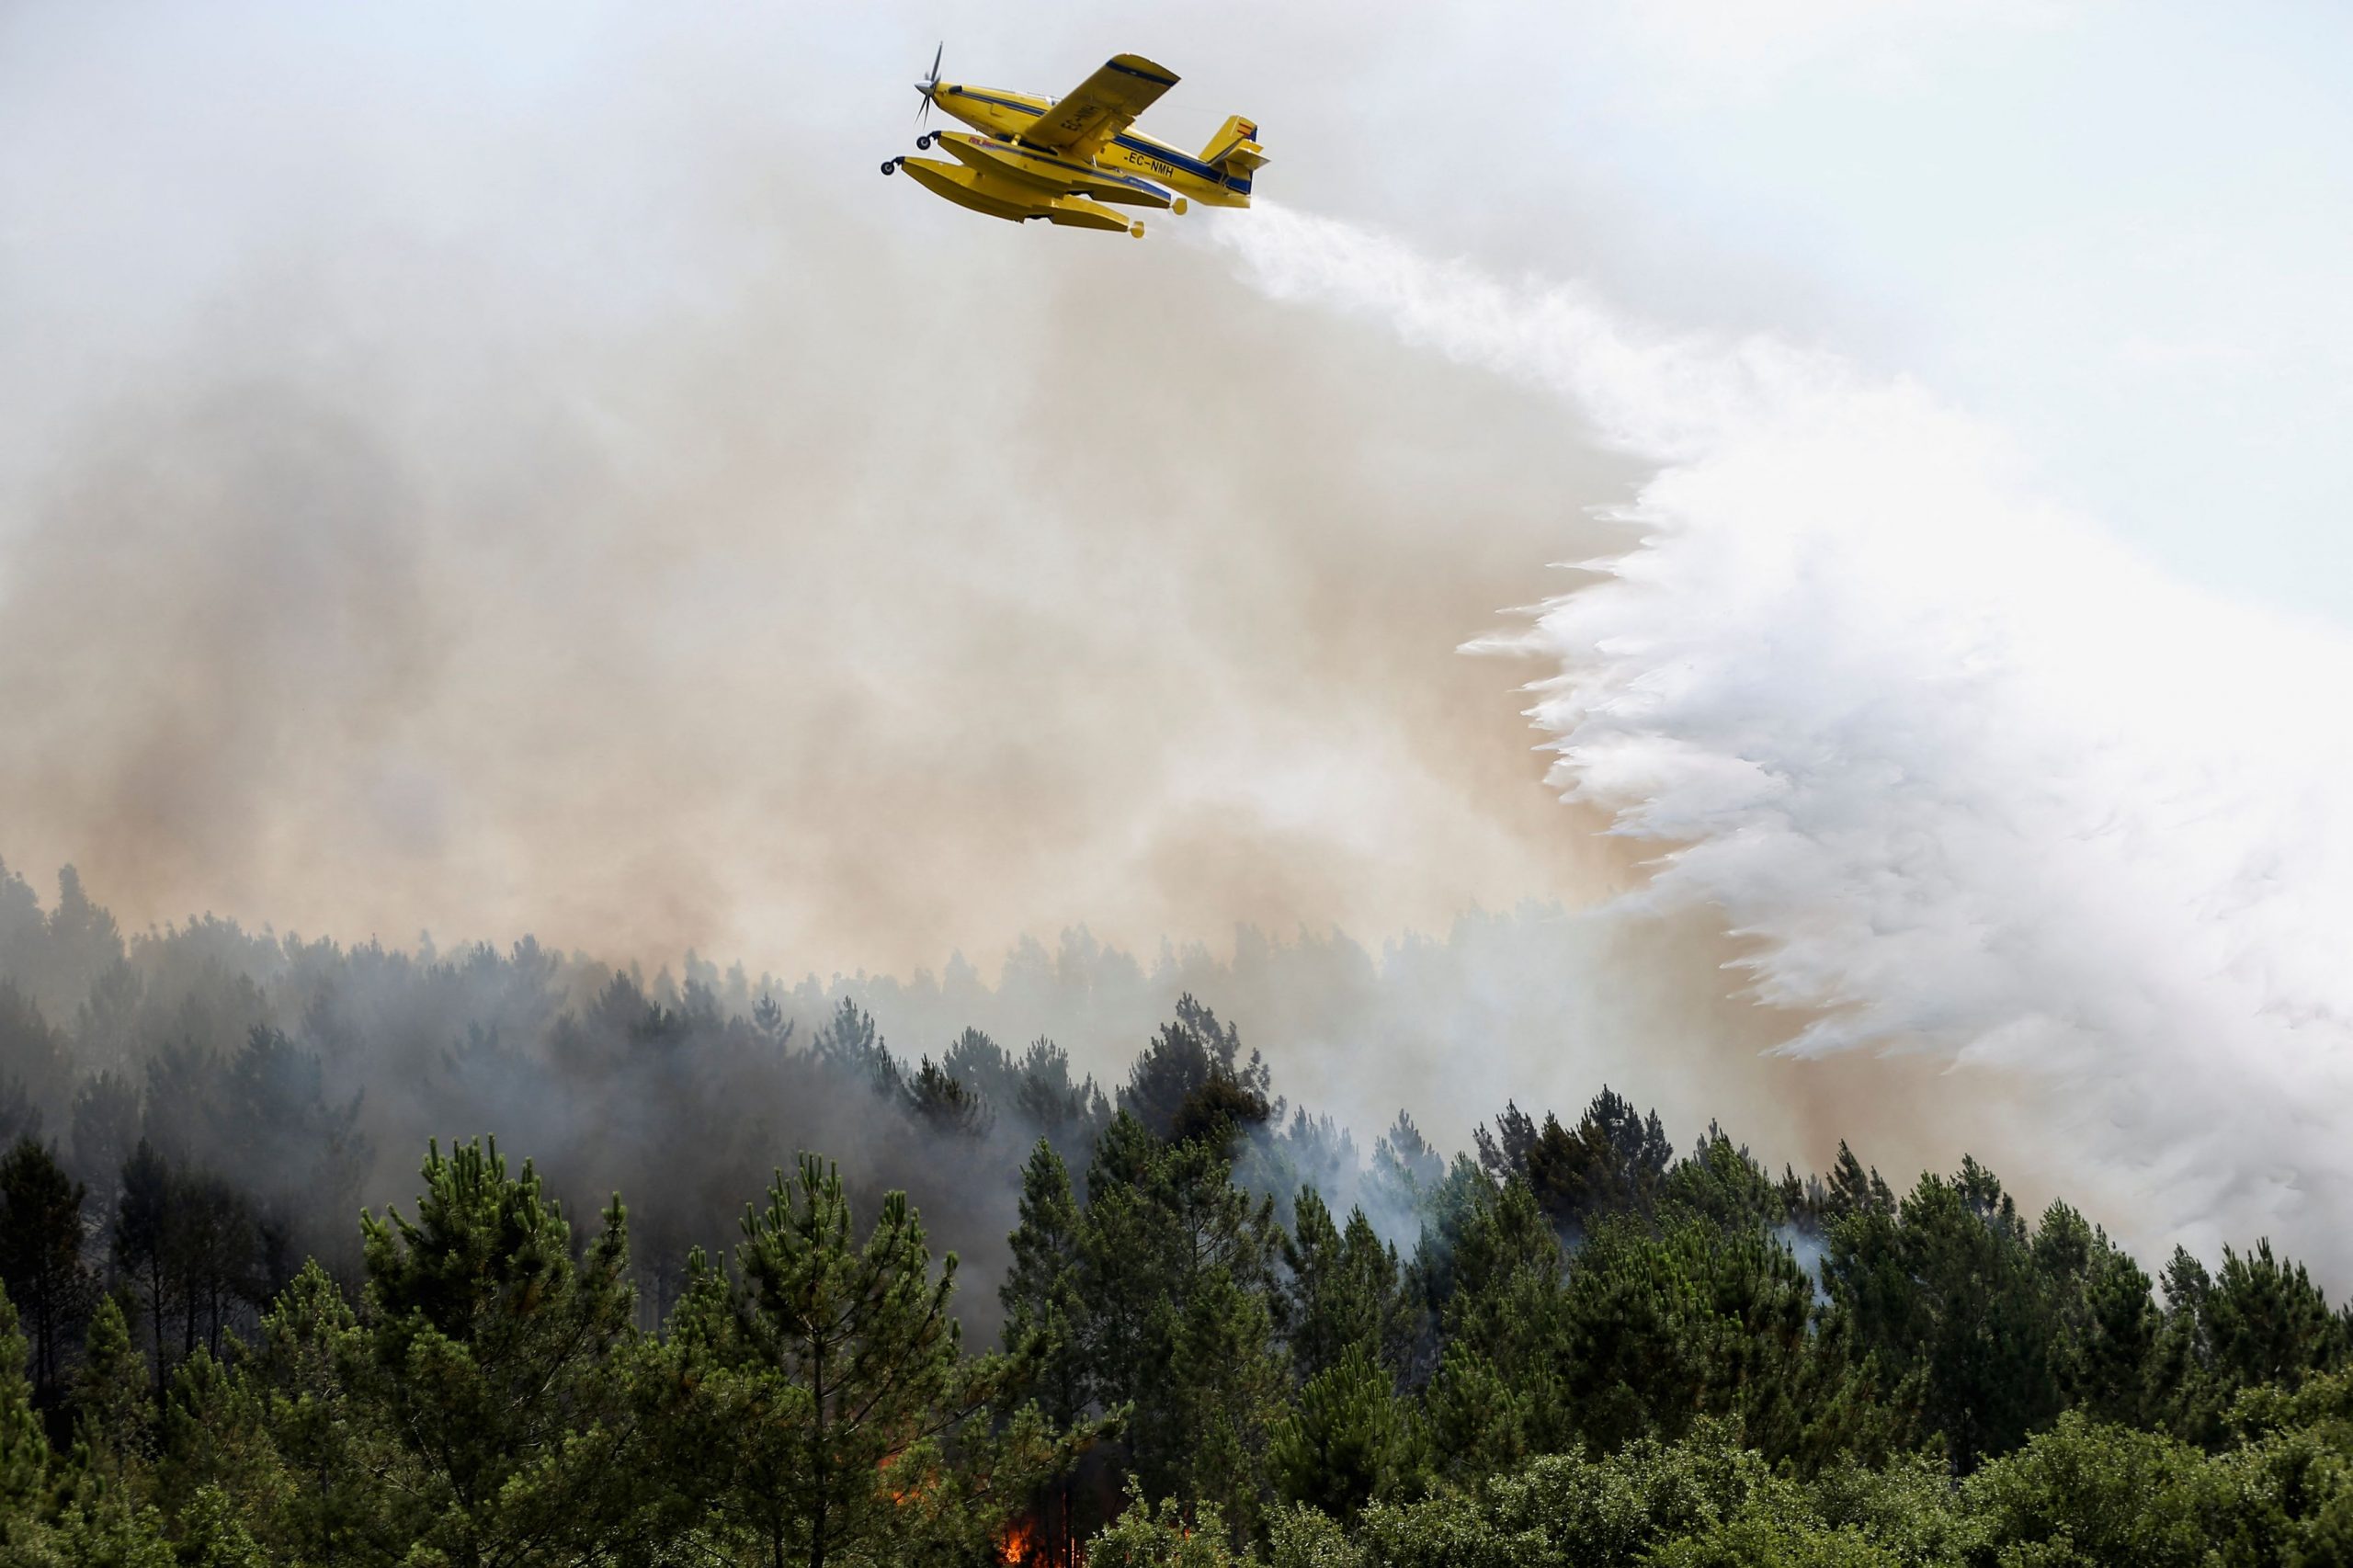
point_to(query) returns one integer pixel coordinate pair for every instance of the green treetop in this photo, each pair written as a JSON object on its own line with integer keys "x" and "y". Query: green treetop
{"x": 1045, "y": 1316}
{"x": 24, "y": 1452}
{"x": 1343, "y": 1291}
{"x": 1179, "y": 1278}
{"x": 825, "y": 1372}
{"x": 499, "y": 1362}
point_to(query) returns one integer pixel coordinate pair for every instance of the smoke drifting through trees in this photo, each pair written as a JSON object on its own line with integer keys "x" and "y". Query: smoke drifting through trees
{"x": 274, "y": 1086}
{"x": 309, "y": 1073}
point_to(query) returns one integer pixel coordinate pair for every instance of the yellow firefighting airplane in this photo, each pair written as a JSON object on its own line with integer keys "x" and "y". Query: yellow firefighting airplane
{"x": 1062, "y": 159}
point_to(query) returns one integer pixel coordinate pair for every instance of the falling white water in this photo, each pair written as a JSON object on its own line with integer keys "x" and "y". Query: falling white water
{"x": 1970, "y": 777}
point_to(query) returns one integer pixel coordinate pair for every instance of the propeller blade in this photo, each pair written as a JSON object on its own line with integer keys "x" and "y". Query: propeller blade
{"x": 929, "y": 85}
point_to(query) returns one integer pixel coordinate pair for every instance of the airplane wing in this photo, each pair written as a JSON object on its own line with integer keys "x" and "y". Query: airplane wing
{"x": 1102, "y": 106}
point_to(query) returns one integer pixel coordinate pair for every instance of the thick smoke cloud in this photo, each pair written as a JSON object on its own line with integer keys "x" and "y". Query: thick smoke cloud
{"x": 1964, "y": 778}
{"x": 490, "y": 473}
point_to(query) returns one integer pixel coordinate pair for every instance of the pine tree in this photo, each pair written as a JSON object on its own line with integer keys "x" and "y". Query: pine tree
{"x": 2105, "y": 1325}
{"x": 774, "y": 1028}
{"x": 1191, "y": 1081}
{"x": 84, "y": 940}
{"x": 500, "y": 1364}
{"x": 1124, "y": 1276}
{"x": 312, "y": 1375}
{"x": 114, "y": 1406}
{"x": 1177, "y": 1273}
{"x": 101, "y": 1504}
{"x": 852, "y": 1046}
{"x": 1661, "y": 1328}
{"x": 1046, "y": 1315}
{"x": 1404, "y": 1169}
{"x": 1504, "y": 1329}
{"x": 40, "y": 1256}
{"x": 99, "y": 1527}
{"x": 36, "y": 1055}
{"x": 1228, "y": 1387}
{"x": 1378, "y": 1284}
{"x": 214, "y": 1448}
{"x": 1946, "y": 1286}
{"x": 945, "y": 1104}
{"x": 24, "y": 1451}
{"x": 983, "y": 1066}
{"x": 277, "y": 1127}
{"x": 2181, "y": 1381}
{"x": 1449, "y": 1207}
{"x": 212, "y": 1241}
{"x": 1071, "y": 1112}
{"x": 826, "y": 1369}
{"x": 1040, "y": 1293}
{"x": 1166, "y": 1536}
{"x": 1341, "y": 1291}
{"x": 1614, "y": 1161}
{"x": 142, "y": 1237}
{"x": 1502, "y": 1153}
{"x": 19, "y": 1117}
{"x": 213, "y": 1536}
{"x": 2267, "y": 1322}
{"x": 1479, "y": 1423}
{"x": 1720, "y": 1182}
{"x": 1344, "y": 1444}
{"x": 1851, "y": 1191}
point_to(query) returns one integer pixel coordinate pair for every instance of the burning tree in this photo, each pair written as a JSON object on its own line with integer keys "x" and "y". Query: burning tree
{"x": 817, "y": 1381}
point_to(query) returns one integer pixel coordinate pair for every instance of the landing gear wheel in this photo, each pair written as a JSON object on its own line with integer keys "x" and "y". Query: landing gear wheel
{"x": 889, "y": 165}
{"x": 923, "y": 142}
{"x": 1136, "y": 229}
{"x": 1179, "y": 207}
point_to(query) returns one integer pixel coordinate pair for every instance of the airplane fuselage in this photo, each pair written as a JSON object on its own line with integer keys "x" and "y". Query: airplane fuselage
{"x": 1005, "y": 115}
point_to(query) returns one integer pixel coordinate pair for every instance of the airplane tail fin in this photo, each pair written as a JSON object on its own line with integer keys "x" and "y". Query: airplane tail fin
{"x": 1234, "y": 151}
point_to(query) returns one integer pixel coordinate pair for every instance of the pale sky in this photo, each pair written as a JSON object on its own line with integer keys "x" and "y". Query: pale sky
{"x": 2120, "y": 232}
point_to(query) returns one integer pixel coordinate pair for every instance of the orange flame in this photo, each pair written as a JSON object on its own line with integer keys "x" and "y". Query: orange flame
{"x": 1020, "y": 1544}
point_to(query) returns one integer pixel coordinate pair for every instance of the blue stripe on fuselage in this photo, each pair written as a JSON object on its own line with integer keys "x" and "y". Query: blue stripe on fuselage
{"x": 1191, "y": 165}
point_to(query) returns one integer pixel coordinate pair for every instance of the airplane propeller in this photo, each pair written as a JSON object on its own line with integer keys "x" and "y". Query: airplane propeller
{"x": 930, "y": 85}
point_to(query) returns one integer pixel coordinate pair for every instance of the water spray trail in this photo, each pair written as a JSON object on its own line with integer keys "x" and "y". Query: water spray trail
{"x": 1972, "y": 777}
{"x": 1659, "y": 396}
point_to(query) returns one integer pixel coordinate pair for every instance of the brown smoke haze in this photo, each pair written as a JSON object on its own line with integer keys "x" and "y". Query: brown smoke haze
{"x": 492, "y": 476}
{"x": 830, "y": 596}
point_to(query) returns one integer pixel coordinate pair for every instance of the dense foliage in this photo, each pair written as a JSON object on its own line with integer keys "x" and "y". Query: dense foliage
{"x": 1211, "y": 1332}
